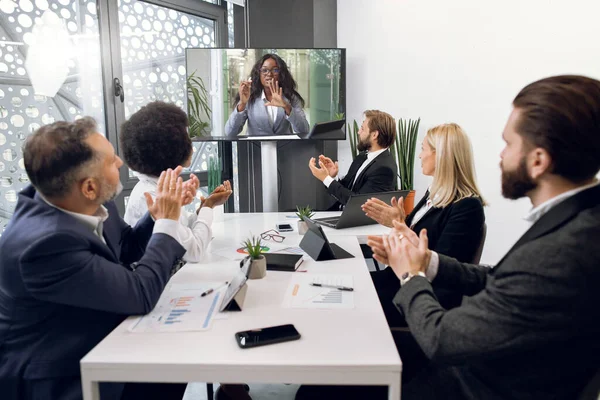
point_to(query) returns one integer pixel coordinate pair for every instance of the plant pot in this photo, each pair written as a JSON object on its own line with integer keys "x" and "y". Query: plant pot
{"x": 409, "y": 202}
{"x": 302, "y": 227}
{"x": 258, "y": 270}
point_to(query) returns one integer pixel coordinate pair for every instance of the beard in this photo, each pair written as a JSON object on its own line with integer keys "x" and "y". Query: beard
{"x": 517, "y": 183}
{"x": 363, "y": 145}
{"x": 109, "y": 192}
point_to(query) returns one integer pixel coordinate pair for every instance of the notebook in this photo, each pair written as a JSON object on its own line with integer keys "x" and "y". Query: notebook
{"x": 283, "y": 262}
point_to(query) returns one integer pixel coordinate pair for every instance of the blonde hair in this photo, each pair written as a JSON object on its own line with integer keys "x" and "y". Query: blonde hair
{"x": 454, "y": 176}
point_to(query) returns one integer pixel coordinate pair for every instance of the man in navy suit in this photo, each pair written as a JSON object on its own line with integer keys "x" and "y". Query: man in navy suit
{"x": 65, "y": 275}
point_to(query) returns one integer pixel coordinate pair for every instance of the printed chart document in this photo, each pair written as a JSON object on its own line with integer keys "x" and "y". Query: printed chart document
{"x": 301, "y": 294}
{"x": 182, "y": 310}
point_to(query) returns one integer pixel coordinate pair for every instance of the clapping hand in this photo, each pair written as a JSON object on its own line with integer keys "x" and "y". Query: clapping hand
{"x": 331, "y": 167}
{"x": 218, "y": 196}
{"x": 407, "y": 252}
{"x": 376, "y": 243}
{"x": 384, "y": 213}
{"x": 319, "y": 172}
{"x": 190, "y": 187}
{"x": 169, "y": 195}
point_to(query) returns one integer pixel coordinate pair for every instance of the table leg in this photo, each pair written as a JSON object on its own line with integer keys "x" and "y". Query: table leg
{"x": 394, "y": 390}
{"x": 90, "y": 389}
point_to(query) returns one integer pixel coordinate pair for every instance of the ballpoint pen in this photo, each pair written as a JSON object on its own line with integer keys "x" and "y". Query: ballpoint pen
{"x": 345, "y": 288}
{"x": 209, "y": 291}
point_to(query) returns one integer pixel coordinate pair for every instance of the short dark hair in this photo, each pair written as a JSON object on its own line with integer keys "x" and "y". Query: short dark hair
{"x": 561, "y": 114}
{"x": 385, "y": 124}
{"x": 56, "y": 154}
{"x": 155, "y": 138}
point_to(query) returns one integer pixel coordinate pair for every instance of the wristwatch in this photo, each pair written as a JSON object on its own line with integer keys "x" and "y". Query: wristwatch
{"x": 408, "y": 275}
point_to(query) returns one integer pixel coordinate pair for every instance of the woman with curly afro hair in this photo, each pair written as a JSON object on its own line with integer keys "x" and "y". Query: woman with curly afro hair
{"x": 268, "y": 101}
{"x": 155, "y": 139}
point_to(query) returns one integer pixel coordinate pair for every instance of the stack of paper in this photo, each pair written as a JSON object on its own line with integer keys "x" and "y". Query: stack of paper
{"x": 301, "y": 294}
{"x": 182, "y": 309}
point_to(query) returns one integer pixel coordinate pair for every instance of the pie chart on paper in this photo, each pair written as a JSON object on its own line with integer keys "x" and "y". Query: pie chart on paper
{"x": 263, "y": 249}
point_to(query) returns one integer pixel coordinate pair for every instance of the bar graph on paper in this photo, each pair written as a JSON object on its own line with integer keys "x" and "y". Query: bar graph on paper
{"x": 301, "y": 294}
{"x": 180, "y": 312}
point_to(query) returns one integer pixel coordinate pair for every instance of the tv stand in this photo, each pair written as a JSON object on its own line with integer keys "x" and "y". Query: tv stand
{"x": 268, "y": 156}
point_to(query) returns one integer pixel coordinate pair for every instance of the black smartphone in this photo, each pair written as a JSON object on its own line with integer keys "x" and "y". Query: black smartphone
{"x": 264, "y": 336}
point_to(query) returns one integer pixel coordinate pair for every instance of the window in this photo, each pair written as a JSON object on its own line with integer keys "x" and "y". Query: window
{"x": 21, "y": 110}
{"x": 152, "y": 39}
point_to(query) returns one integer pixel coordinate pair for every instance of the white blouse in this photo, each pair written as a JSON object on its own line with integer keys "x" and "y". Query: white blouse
{"x": 193, "y": 232}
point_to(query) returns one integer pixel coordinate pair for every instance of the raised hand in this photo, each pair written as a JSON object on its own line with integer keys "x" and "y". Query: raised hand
{"x": 276, "y": 94}
{"x": 384, "y": 213}
{"x": 169, "y": 195}
{"x": 277, "y": 99}
{"x": 332, "y": 167}
{"x": 244, "y": 91}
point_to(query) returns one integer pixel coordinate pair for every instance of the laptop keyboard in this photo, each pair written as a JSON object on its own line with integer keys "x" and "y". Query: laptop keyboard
{"x": 330, "y": 219}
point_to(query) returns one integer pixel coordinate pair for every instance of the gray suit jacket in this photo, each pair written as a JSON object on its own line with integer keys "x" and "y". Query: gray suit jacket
{"x": 259, "y": 123}
{"x": 531, "y": 329}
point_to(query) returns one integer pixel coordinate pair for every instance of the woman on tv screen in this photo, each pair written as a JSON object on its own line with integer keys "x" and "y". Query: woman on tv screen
{"x": 268, "y": 101}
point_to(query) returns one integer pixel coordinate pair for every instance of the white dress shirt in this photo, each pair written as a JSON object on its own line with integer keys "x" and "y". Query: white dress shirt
{"x": 371, "y": 155}
{"x": 95, "y": 222}
{"x": 271, "y": 110}
{"x": 532, "y": 216}
{"x": 422, "y": 211}
{"x": 193, "y": 231}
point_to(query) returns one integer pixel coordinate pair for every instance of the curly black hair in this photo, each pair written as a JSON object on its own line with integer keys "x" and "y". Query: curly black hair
{"x": 286, "y": 81}
{"x": 155, "y": 138}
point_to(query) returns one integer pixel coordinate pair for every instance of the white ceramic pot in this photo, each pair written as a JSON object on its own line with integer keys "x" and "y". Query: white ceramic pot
{"x": 302, "y": 227}
{"x": 258, "y": 270}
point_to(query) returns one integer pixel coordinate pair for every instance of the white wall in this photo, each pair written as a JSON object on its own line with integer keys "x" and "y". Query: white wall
{"x": 463, "y": 61}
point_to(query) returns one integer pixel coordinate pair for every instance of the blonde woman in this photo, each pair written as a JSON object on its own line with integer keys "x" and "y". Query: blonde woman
{"x": 451, "y": 211}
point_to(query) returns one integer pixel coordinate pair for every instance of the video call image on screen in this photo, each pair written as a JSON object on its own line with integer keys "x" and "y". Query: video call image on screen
{"x": 245, "y": 94}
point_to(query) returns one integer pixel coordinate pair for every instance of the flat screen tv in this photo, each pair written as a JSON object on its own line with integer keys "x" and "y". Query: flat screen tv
{"x": 266, "y": 94}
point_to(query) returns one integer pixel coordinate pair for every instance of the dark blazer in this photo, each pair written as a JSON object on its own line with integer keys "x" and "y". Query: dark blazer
{"x": 531, "y": 328}
{"x": 378, "y": 176}
{"x": 62, "y": 290}
{"x": 455, "y": 230}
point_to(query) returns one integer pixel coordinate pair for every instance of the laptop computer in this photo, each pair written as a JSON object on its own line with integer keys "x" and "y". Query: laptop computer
{"x": 353, "y": 215}
{"x": 333, "y": 130}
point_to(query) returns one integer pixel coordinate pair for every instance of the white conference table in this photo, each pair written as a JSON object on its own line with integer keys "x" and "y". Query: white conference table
{"x": 337, "y": 347}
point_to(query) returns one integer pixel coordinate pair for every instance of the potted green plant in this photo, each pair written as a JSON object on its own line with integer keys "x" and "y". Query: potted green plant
{"x": 301, "y": 213}
{"x": 199, "y": 112}
{"x": 353, "y": 135}
{"x": 253, "y": 247}
{"x": 214, "y": 173}
{"x": 404, "y": 150}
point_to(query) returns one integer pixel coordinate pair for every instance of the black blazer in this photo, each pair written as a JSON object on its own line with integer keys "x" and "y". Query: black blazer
{"x": 378, "y": 176}
{"x": 455, "y": 230}
{"x": 530, "y": 329}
